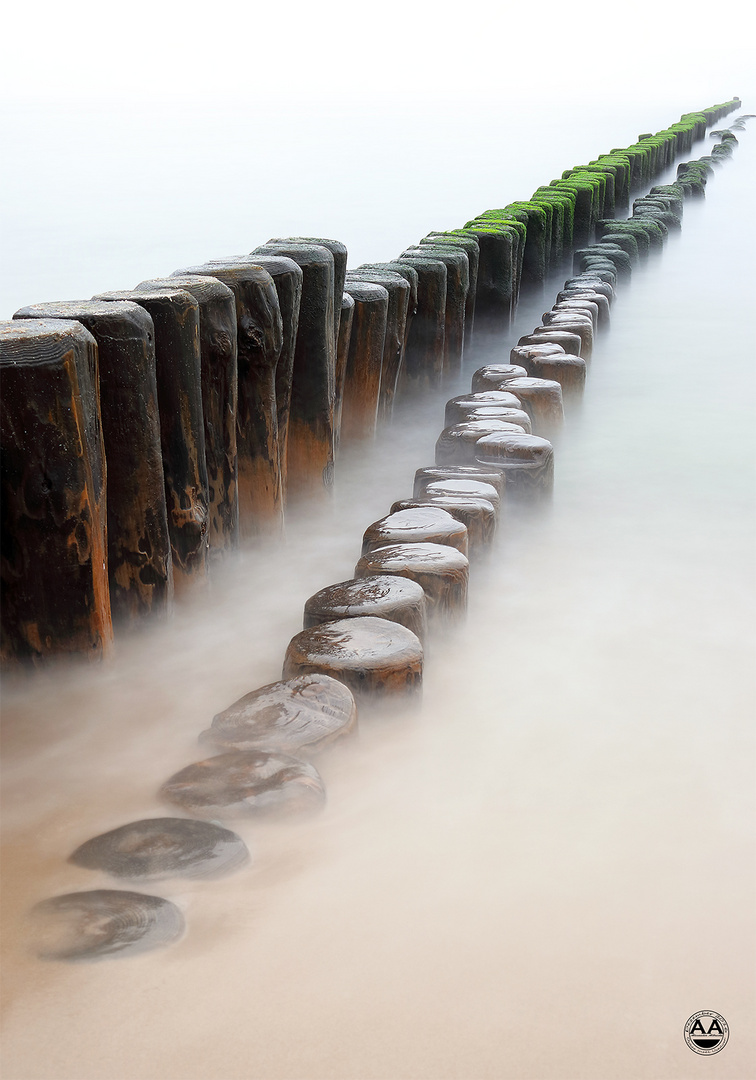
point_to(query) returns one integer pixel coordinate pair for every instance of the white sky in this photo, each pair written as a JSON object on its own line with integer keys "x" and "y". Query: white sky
{"x": 328, "y": 48}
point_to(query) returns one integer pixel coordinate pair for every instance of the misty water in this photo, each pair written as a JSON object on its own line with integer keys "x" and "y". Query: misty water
{"x": 548, "y": 867}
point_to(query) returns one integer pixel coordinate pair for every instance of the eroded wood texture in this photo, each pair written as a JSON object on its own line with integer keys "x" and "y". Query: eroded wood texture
{"x": 52, "y": 469}
{"x": 442, "y": 571}
{"x": 175, "y": 315}
{"x": 375, "y": 658}
{"x": 246, "y": 783}
{"x": 526, "y": 460}
{"x": 421, "y": 525}
{"x": 477, "y": 515}
{"x": 383, "y": 596}
{"x": 431, "y": 474}
{"x": 299, "y": 716}
{"x": 311, "y": 419}
{"x": 259, "y": 329}
{"x": 218, "y": 360}
{"x": 140, "y": 569}
{"x": 456, "y": 444}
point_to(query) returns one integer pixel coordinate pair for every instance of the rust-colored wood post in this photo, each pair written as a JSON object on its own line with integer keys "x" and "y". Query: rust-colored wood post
{"x": 140, "y": 569}
{"x": 218, "y": 358}
{"x": 311, "y": 421}
{"x": 362, "y": 379}
{"x": 259, "y": 343}
{"x": 175, "y": 315}
{"x": 52, "y": 477}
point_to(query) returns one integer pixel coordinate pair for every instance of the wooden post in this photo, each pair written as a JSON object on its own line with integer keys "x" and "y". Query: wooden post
{"x": 219, "y": 367}
{"x": 311, "y": 420}
{"x": 457, "y": 289}
{"x": 299, "y": 717}
{"x": 477, "y": 515}
{"x": 456, "y": 445}
{"x": 491, "y": 404}
{"x": 259, "y": 343}
{"x": 362, "y": 380}
{"x": 424, "y": 354}
{"x": 383, "y": 596}
{"x": 175, "y": 315}
{"x": 340, "y": 255}
{"x": 496, "y": 377}
{"x": 287, "y": 278}
{"x": 526, "y": 460}
{"x": 424, "y": 525}
{"x": 342, "y": 355}
{"x": 398, "y": 289}
{"x": 376, "y": 658}
{"x": 551, "y": 335}
{"x": 52, "y": 474}
{"x": 442, "y": 571}
{"x": 471, "y": 248}
{"x": 140, "y": 569}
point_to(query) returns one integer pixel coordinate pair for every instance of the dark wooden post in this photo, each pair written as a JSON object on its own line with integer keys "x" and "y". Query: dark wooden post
{"x": 342, "y": 355}
{"x": 259, "y": 342}
{"x": 218, "y": 358}
{"x": 287, "y": 278}
{"x": 424, "y": 353}
{"x": 52, "y": 472}
{"x": 471, "y": 248}
{"x": 175, "y": 315}
{"x": 340, "y": 255}
{"x": 457, "y": 288}
{"x": 399, "y": 290}
{"x": 362, "y": 380}
{"x": 140, "y": 568}
{"x": 311, "y": 420}
{"x": 412, "y": 278}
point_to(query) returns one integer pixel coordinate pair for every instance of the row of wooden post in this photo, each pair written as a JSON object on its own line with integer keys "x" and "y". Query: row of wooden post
{"x": 147, "y": 432}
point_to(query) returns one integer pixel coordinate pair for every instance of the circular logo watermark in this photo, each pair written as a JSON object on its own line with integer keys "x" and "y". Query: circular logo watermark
{"x": 706, "y": 1032}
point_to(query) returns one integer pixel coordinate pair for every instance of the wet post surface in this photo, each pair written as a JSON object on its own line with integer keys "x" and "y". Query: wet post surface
{"x": 457, "y": 290}
{"x": 311, "y": 419}
{"x": 376, "y": 658}
{"x": 399, "y": 292}
{"x": 287, "y": 278}
{"x": 259, "y": 343}
{"x": 383, "y": 596}
{"x": 424, "y": 353}
{"x": 54, "y": 575}
{"x": 219, "y": 368}
{"x": 362, "y": 377}
{"x": 175, "y": 316}
{"x": 471, "y": 248}
{"x": 342, "y": 355}
{"x": 140, "y": 570}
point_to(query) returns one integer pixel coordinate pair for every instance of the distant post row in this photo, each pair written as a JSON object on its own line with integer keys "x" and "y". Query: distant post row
{"x": 146, "y": 433}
